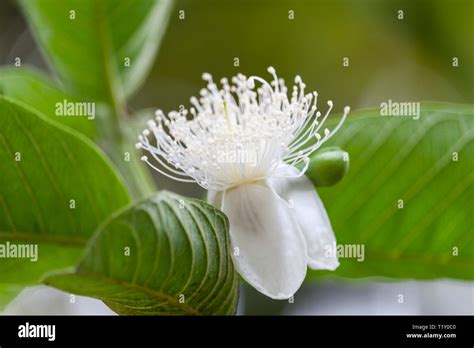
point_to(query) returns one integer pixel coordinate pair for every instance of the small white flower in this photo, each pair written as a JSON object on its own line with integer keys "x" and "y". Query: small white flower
{"x": 244, "y": 145}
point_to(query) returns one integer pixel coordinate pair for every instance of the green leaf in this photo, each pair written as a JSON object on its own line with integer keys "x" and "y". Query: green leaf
{"x": 406, "y": 199}
{"x": 38, "y": 91}
{"x": 178, "y": 261}
{"x": 56, "y": 187}
{"x": 328, "y": 166}
{"x": 88, "y": 41}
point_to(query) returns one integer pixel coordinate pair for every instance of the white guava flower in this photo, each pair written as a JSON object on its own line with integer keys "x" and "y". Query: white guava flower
{"x": 250, "y": 147}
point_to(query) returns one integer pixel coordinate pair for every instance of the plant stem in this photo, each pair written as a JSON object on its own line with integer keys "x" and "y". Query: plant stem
{"x": 114, "y": 137}
{"x": 117, "y": 142}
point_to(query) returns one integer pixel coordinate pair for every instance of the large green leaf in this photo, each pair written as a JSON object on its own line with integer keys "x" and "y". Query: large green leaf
{"x": 178, "y": 260}
{"x": 399, "y": 158}
{"x": 55, "y": 189}
{"x": 89, "y": 46}
{"x": 35, "y": 89}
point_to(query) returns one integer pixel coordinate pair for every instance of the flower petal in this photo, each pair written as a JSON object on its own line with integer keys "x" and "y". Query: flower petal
{"x": 215, "y": 198}
{"x": 271, "y": 253}
{"x": 311, "y": 216}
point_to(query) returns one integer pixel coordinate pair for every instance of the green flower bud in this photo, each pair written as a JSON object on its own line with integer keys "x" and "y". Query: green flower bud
{"x": 328, "y": 166}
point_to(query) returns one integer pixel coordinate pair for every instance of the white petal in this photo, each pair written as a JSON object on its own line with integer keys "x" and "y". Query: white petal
{"x": 311, "y": 216}
{"x": 215, "y": 198}
{"x": 271, "y": 249}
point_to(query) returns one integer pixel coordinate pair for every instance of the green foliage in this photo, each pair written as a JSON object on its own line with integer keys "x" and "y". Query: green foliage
{"x": 55, "y": 189}
{"x": 102, "y": 51}
{"x": 163, "y": 255}
{"x": 38, "y": 91}
{"x": 89, "y": 41}
{"x": 407, "y": 197}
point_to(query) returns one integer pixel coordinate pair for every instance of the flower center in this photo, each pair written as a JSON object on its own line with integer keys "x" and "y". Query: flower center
{"x": 238, "y": 133}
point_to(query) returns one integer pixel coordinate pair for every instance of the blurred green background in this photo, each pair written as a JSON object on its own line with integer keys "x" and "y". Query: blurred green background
{"x": 409, "y": 59}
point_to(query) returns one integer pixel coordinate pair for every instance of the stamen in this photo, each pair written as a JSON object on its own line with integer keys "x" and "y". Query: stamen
{"x": 233, "y": 122}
